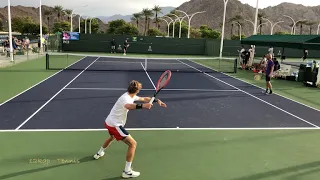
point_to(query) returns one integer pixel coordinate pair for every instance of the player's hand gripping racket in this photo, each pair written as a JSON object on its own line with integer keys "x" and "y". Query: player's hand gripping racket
{"x": 162, "y": 82}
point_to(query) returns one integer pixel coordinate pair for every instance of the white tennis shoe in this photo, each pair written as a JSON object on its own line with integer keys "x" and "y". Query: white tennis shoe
{"x": 97, "y": 155}
{"x": 130, "y": 174}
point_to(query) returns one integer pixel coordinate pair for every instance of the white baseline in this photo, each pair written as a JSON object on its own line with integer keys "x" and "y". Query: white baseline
{"x": 165, "y": 129}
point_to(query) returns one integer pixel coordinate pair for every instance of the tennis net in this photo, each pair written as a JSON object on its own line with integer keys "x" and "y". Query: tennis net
{"x": 123, "y": 63}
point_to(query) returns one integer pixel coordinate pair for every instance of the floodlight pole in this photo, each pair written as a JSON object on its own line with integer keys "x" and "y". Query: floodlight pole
{"x": 223, "y": 26}
{"x": 190, "y": 18}
{"x": 10, "y": 31}
{"x": 240, "y": 30}
{"x": 90, "y": 24}
{"x": 71, "y": 22}
{"x": 256, "y": 19}
{"x": 318, "y": 29}
{"x": 270, "y": 24}
{"x": 172, "y": 21}
{"x": 294, "y": 23}
{"x": 40, "y": 14}
{"x": 71, "y": 17}
{"x": 180, "y": 21}
{"x": 260, "y": 26}
{"x": 294, "y": 32}
{"x": 251, "y": 23}
{"x": 167, "y": 24}
{"x": 181, "y": 26}
{"x": 85, "y": 24}
{"x": 80, "y": 23}
{"x": 274, "y": 26}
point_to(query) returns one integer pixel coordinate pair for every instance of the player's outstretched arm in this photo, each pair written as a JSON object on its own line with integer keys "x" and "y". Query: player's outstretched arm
{"x": 138, "y": 106}
{"x": 148, "y": 99}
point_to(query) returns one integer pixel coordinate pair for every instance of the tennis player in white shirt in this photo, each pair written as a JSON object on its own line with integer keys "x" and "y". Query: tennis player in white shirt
{"x": 116, "y": 121}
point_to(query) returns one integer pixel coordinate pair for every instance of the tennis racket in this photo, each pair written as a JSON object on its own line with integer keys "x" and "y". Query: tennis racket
{"x": 162, "y": 82}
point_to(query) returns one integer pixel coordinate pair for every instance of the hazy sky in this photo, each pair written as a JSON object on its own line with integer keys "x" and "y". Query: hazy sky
{"x": 111, "y": 7}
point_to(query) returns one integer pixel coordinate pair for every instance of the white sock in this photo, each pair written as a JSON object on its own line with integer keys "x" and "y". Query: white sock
{"x": 128, "y": 167}
{"x": 101, "y": 150}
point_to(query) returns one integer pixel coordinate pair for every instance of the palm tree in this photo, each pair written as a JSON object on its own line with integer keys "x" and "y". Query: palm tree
{"x": 136, "y": 17}
{"x": 157, "y": 10}
{"x": 301, "y": 23}
{"x": 147, "y": 13}
{"x": 231, "y": 20}
{"x": 58, "y": 10}
{"x": 48, "y": 13}
{"x": 260, "y": 17}
{"x": 310, "y": 24}
{"x": 157, "y": 22}
{"x": 237, "y": 18}
{"x": 68, "y": 13}
{"x": 1, "y": 25}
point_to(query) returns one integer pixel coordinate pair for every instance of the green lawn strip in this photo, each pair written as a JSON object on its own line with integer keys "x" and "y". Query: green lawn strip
{"x": 17, "y": 78}
{"x": 223, "y": 155}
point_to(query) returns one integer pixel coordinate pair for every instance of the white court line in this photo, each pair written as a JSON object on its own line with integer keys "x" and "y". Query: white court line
{"x": 124, "y": 62}
{"x": 39, "y": 82}
{"x": 257, "y": 86}
{"x": 163, "y": 129}
{"x": 256, "y": 97}
{"x": 123, "y": 89}
{"x": 148, "y": 76}
{"x": 54, "y": 96}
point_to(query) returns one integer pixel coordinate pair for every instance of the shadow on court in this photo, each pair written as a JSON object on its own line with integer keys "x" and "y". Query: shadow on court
{"x": 278, "y": 172}
{"x": 299, "y": 176}
{"x": 25, "y": 172}
{"x": 113, "y": 178}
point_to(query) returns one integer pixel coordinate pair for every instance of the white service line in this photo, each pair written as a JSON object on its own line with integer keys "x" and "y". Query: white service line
{"x": 40, "y": 82}
{"x": 122, "y": 89}
{"x": 148, "y": 76}
{"x": 54, "y": 96}
{"x": 163, "y": 129}
{"x": 255, "y": 97}
{"x": 257, "y": 86}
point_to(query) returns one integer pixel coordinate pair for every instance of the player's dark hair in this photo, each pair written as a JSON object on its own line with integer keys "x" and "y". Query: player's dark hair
{"x": 133, "y": 87}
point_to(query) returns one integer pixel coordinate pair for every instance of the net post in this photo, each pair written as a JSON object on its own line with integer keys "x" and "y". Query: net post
{"x": 235, "y": 65}
{"x": 145, "y": 64}
{"x": 219, "y": 64}
{"x": 47, "y": 61}
{"x": 67, "y": 62}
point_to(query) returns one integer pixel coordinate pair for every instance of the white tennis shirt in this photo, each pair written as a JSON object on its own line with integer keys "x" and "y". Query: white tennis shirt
{"x": 118, "y": 114}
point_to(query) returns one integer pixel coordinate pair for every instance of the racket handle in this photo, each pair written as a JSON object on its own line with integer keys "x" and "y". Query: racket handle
{"x": 152, "y": 99}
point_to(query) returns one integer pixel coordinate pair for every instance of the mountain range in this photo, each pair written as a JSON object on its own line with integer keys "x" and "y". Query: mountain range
{"x": 236, "y": 11}
{"x": 127, "y": 18}
{"x": 214, "y": 16}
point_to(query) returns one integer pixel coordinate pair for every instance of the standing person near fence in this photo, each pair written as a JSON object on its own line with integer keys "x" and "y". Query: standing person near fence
{"x": 305, "y": 54}
{"x": 113, "y": 46}
{"x": 125, "y": 47}
{"x": 271, "y": 51}
{"x": 269, "y": 74}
